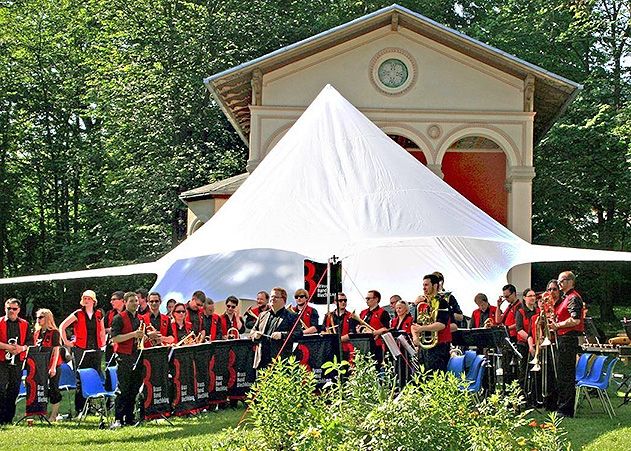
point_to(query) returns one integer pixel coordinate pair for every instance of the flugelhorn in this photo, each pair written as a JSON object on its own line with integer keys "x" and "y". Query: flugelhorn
{"x": 356, "y": 317}
{"x": 8, "y": 356}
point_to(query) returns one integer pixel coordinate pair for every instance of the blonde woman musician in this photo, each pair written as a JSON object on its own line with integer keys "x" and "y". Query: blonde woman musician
{"x": 47, "y": 336}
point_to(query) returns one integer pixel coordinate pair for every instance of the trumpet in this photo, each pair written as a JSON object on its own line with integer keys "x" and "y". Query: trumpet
{"x": 363, "y": 323}
{"x": 189, "y": 339}
{"x": 232, "y": 334}
{"x": 8, "y": 356}
{"x": 140, "y": 342}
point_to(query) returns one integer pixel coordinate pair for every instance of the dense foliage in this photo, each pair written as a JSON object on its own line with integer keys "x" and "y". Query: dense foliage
{"x": 104, "y": 120}
{"x": 366, "y": 412}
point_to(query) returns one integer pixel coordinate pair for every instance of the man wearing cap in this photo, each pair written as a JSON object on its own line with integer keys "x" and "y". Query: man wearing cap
{"x": 89, "y": 338}
{"x": 14, "y": 336}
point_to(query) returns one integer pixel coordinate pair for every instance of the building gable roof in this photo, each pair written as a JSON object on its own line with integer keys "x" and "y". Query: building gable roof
{"x": 232, "y": 88}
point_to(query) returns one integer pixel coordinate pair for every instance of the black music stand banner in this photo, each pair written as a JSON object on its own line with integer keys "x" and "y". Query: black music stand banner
{"x": 231, "y": 369}
{"x": 155, "y": 388}
{"x": 314, "y": 350}
{"x": 36, "y": 381}
{"x": 361, "y": 343}
{"x": 203, "y": 355}
{"x": 184, "y": 380}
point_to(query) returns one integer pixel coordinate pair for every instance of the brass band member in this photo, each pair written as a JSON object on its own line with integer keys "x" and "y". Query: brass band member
{"x": 379, "y": 320}
{"x": 403, "y": 320}
{"x": 126, "y": 333}
{"x": 484, "y": 315}
{"x": 14, "y": 336}
{"x": 179, "y": 326}
{"x": 143, "y": 305}
{"x": 170, "y": 306}
{"x": 89, "y": 338}
{"x": 309, "y": 319}
{"x": 341, "y": 322}
{"x": 274, "y": 327}
{"x": 507, "y": 318}
{"x": 231, "y": 319}
{"x": 436, "y": 357}
{"x": 212, "y": 326}
{"x": 194, "y": 311}
{"x": 262, "y": 305}
{"x": 47, "y": 337}
{"x": 118, "y": 305}
{"x": 158, "y": 321}
{"x": 523, "y": 320}
{"x": 454, "y": 308}
{"x": 568, "y": 326}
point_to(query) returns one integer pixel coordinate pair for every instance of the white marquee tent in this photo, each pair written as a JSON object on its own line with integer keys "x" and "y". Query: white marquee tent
{"x": 337, "y": 185}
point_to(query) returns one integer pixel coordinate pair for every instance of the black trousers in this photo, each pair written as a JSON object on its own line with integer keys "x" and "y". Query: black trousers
{"x": 129, "y": 381}
{"x": 436, "y": 358}
{"x": 10, "y": 376}
{"x": 523, "y": 367}
{"x": 54, "y": 395}
{"x": 91, "y": 359}
{"x": 566, "y": 370}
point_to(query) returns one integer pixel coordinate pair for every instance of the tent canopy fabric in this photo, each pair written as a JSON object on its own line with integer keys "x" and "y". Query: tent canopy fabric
{"x": 337, "y": 185}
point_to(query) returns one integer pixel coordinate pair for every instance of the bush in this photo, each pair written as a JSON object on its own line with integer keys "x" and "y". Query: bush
{"x": 364, "y": 411}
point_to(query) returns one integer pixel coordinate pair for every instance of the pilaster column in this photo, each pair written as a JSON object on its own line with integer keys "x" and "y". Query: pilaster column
{"x": 519, "y": 187}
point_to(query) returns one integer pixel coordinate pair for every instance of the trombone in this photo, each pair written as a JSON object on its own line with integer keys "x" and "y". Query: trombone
{"x": 363, "y": 323}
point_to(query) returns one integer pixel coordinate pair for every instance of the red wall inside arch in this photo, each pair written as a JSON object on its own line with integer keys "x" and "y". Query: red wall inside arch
{"x": 479, "y": 176}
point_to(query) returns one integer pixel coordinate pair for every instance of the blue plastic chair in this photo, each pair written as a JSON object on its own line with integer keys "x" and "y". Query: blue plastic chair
{"x": 113, "y": 373}
{"x": 476, "y": 375}
{"x": 600, "y": 383}
{"x": 93, "y": 390}
{"x": 469, "y": 357}
{"x": 67, "y": 379}
{"x": 595, "y": 371}
{"x": 581, "y": 366}
{"x": 456, "y": 365}
{"x": 474, "y": 369}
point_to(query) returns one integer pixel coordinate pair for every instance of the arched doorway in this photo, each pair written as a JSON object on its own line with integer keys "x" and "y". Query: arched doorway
{"x": 410, "y": 146}
{"x": 476, "y": 167}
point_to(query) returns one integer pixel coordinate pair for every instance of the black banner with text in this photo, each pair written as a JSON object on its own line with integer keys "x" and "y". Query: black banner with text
{"x": 36, "y": 381}
{"x": 156, "y": 382}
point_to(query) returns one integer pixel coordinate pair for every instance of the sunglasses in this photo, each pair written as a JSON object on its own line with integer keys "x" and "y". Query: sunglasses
{"x": 13, "y": 309}
{"x": 178, "y": 311}
{"x": 300, "y": 296}
{"x": 342, "y": 300}
{"x": 231, "y": 306}
{"x": 154, "y": 302}
{"x": 40, "y": 317}
{"x": 553, "y": 289}
{"x": 369, "y": 298}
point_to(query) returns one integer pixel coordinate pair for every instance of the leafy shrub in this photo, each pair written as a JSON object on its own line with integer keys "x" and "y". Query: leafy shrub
{"x": 363, "y": 410}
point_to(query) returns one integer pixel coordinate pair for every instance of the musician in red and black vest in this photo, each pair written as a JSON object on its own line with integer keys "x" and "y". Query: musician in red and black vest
{"x": 14, "y": 338}
{"x": 158, "y": 321}
{"x": 262, "y": 305}
{"x": 484, "y": 315}
{"x": 47, "y": 336}
{"x": 523, "y": 326}
{"x": 341, "y": 322}
{"x": 403, "y": 319}
{"x": 194, "y": 309}
{"x": 507, "y": 318}
{"x": 569, "y": 326}
{"x": 231, "y": 320}
{"x": 126, "y": 333}
{"x": 180, "y": 328}
{"x": 212, "y": 325}
{"x": 116, "y": 300}
{"x": 89, "y": 338}
{"x": 310, "y": 318}
{"x": 437, "y": 306}
{"x": 143, "y": 304}
{"x": 379, "y": 321}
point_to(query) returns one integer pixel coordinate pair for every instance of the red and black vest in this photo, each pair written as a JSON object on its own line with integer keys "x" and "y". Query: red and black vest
{"x": 214, "y": 326}
{"x": 47, "y": 342}
{"x": 23, "y": 325}
{"x": 306, "y": 316}
{"x": 200, "y": 318}
{"x": 405, "y": 325}
{"x": 477, "y": 314}
{"x": 177, "y": 334}
{"x": 344, "y": 327}
{"x": 374, "y": 321}
{"x": 81, "y": 328}
{"x": 444, "y": 335}
{"x": 163, "y": 327}
{"x": 227, "y": 323}
{"x": 109, "y": 317}
{"x": 508, "y": 318}
{"x": 125, "y": 347}
{"x": 562, "y": 313}
{"x": 527, "y": 323}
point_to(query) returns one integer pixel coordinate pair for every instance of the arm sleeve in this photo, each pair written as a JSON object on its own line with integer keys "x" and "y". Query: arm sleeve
{"x": 385, "y": 319}
{"x": 519, "y": 321}
{"x": 443, "y": 313}
{"x": 453, "y": 304}
{"x": 575, "y": 307}
{"x": 117, "y": 326}
{"x": 56, "y": 339}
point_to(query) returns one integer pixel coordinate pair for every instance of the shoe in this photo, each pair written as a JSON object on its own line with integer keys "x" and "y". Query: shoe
{"x": 116, "y": 425}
